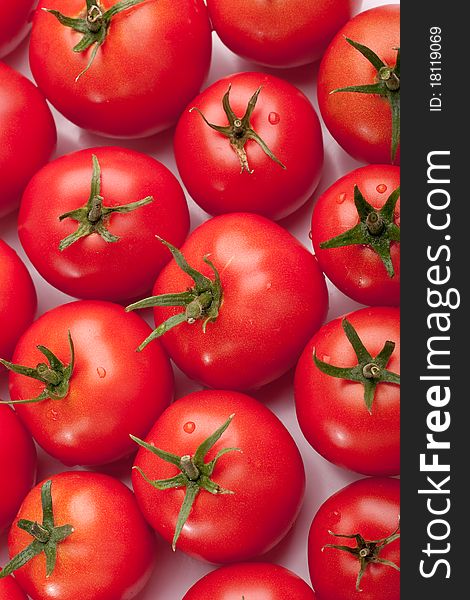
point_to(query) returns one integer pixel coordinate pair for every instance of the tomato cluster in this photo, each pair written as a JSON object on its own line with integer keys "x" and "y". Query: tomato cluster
{"x": 239, "y": 303}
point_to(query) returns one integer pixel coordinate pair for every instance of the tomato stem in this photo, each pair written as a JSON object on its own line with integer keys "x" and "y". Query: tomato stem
{"x": 46, "y": 536}
{"x": 387, "y": 86}
{"x": 376, "y": 229}
{"x": 366, "y": 551}
{"x": 94, "y": 216}
{"x": 56, "y": 376}
{"x": 189, "y": 468}
{"x": 195, "y": 474}
{"x": 94, "y": 27}
{"x": 239, "y": 130}
{"x": 369, "y": 371}
{"x": 201, "y": 302}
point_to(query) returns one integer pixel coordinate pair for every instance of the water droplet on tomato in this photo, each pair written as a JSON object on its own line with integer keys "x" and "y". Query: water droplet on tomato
{"x": 341, "y": 198}
{"x": 310, "y": 234}
{"x": 326, "y": 358}
{"x": 101, "y": 372}
{"x": 381, "y": 188}
{"x": 274, "y": 118}
{"x": 189, "y": 427}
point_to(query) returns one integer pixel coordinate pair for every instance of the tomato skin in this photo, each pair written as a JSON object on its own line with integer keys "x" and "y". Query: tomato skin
{"x": 18, "y": 301}
{"x": 27, "y": 136}
{"x": 113, "y": 389}
{"x": 17, "y": 464}
{"x": 262, "y": 581}
{"x": 173, "y": 56}
{"x": 278, "y": 33}
{"x": 111, "y": 546}
{"x": 360, "y": 123}
{"x": 357, "y": 270}
{"x": 15, "y": 18}
{"x": 210, "y": 169}
{"x": 332, "y": 413}
{"x": 275, "y": 300}
{"x": 220, "y": 528}
{"x": 10, "y": 590}
{"x": 370, "y": 507}
{"x": 92, "y": 267}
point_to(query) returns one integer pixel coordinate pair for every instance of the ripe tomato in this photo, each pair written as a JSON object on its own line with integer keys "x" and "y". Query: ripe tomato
{"x": 222, "y": 175}
{"x": 99, "y": 265}
{"x": 10, "y": 590}
{"x": 108, "y": 552}
{"x": 150, "y": 61}
{"x": 27, "y": 135}
{"x": 15, "y": 19}
{"x": 370, "y": 508}
{"x": 250, "y": 507}
{"x": 86, "y": 415}
{"x": 278, "y": 33}
{"x": 260, "y": 581}
{"x": 362, "y": 122}
{"x": 17, "y": 299}
{"x": 17, "y": 465}
{"x": 254, "y": 323}
{"x": 368, "y": 269}
{"x": 348, "y": 429}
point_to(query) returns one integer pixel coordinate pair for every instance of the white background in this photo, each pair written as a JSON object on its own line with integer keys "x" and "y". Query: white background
{"x": 175, "y": 572}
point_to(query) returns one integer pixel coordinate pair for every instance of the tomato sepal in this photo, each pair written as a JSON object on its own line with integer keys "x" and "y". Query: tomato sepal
{"x": 195, "y": 473}
{"x": 387, "y": 86}
{"x": 94, "y": 26}
{"x": 366, "y": 551}
{"x": 370, "y": 371}
{"x": 376, "y": 229}
{"x": 239, "y": 131}
{"x": 200, "y": 302}
{"x": 56, "y": 376}
{"x": 46, "y": 536}
{"x": 93, "y": 217}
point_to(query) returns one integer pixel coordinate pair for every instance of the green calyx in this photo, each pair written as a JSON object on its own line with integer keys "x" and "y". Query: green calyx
{"x": 201, "y": 302}
{"x": 195, "y": 474}
{"x": 94, "y": 216}
{"x": 370, "y": 371}
{"x": 387, "y": 86}
{"x": 94, "y": 25}
{"x": 366, "y": 551}
{"x": 55, "y": 375}
{"x": 376, "y": 228}
{"x": 239, "y": 130}
{"x": 46, "y": 536}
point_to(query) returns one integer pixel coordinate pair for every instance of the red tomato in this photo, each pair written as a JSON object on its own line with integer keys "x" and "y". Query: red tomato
{"x": 274, "y": 186}
{"x": 332, "y": 412}
{"x": 370, "y": 507}
{"x": 93, "y": 266}
{"x": 10, "y": 590}
{"x": 259, "y": 509}
{"x": 358, "y": 269}
{"x": 17, "y": 465}
{"x": 274, "y": 298}
{"x": 27, "y": 135}
{"x": 260, "y": 581}
{"x": 15, "y": 19}
{"x": 361, "y": 123}
{"x": 154, "y": 59}
{"x": 17, "y": 299}
{"x": 112, "y": 390}
{"x": 278, "y": 33}
{"x": 108, "y": 556}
